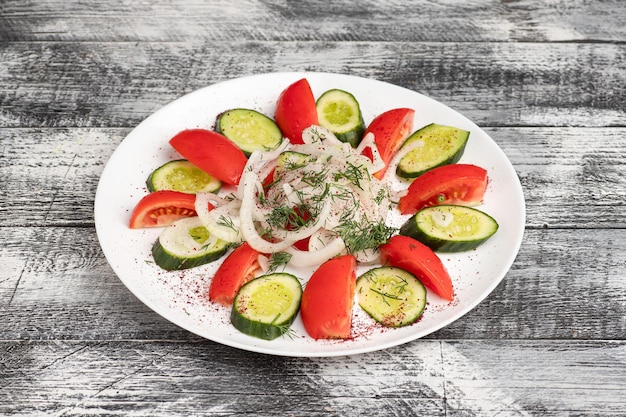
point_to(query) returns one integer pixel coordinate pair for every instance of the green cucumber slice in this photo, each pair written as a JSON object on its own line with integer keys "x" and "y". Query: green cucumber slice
{"x": 185, "y": 244}
{"x": 442, "y": 145}
{"x": 339, "y": 112}
{"x": 391, "y": 296}
{"x": 290, "y": 160}
{"x": 450, "y": 228}
{"x": 267, "y": 306}
{"x": 181, "y": 175}
{"x": 250, "y": 130}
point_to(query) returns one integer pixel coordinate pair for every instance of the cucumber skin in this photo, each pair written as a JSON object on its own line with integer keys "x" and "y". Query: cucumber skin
{"x": 453, "y": 159}
{"x": 265, "y": 118}
{"x": 152, "y": 188}
{"x": 266, "y": 331}
{"x": 256, "y": 329}
{"x": 169, "y": 262}
{"x": 411, "y": 229}
{"x": 354, "y": 136}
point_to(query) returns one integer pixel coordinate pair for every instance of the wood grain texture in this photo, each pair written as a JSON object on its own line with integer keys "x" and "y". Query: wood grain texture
{"x": 432, "y": 378}
{"x": 544, "y": 79}
{"x": 313, "y": 20}
{"x": 60, "y": 84}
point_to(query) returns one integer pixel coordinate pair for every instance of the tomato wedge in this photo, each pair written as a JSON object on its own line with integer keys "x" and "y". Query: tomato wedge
{"x": 407, "y": 253}
{"x": 212, "y": 152}
{"x": 162, "y": 208}
{"x": 462, "y": 184}
{"x": 295, "y": 110}
{"x": 327, "y": 300}
{"x": 237, "y": 269}
{"x": 390, "y": 129}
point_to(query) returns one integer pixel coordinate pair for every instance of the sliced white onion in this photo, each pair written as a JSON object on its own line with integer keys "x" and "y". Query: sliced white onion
{"x": 367, "y": 256}
{"x": 224, "y": 222}
{"x": 369, "y": 141}
{"x": 184, "y": 242}
{"x": 321, "y": 239}
{"x": 212, "y": 198}
{"x": 250, "y": 234}
{"x": 215, "y": 220}
{"x": 393, "y": 164}
{"x": 202, "y": 206}
{"x": 315, "y": 134}
{"x": 264, "y": 263}
{"x": 303, "y": 259}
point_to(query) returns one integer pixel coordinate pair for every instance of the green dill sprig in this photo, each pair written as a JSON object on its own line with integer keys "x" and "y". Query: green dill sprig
{"x": 292, "y": 165}
{"x": 383, "y": 194}
{"x": 227, "y": 222}
{"x": 278, "y": 259}
{"x": 314, "y": 178}
{"x": 316, "y": 135}
{"x": 353, "y": 173}
{"x": 359, "y": 236}
{"x": 291, "y": 218}
{"x": 385, "y": 295}
{"x": 400, "y": 288}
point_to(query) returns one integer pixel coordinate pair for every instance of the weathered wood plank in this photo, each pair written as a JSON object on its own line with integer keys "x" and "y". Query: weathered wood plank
{"x": 50, "y": 176}
{"x": 572, "y": 177}
{"x": 119, "y": 84}
{"x": 61, "y": 287}
{"x": 546, "y": 80}
{"x": 341, "y": 20}
{"x": 421, "y": 378}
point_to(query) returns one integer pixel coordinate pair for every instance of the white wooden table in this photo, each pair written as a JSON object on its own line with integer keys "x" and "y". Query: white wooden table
{"x": 545, "y": 79}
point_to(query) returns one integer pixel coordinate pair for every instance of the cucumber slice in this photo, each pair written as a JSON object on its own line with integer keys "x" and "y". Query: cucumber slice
{"x": 250, "y": 130}
{"x": 267, "y": 306}
{"x": 391, "y": 296}
{"x": 339, "y": 112}
{"x": 181, "y": 175}
{"x": 442, "y": 145}
{"x": 450, "y": 228}
{"x": 185, "y": 244}
{"x": 290, "y": 160}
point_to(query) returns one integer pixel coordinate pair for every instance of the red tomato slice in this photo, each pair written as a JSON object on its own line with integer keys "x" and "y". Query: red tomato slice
{"x": 162, "y": 208}
{"x": 407, "y": 253}
{"x": 237, "y": 269}
{"x": 390, "y": 129}
{"x": 212, "y": 152}
{"x": 295, "y": 110}
{"x": 462, "y": 184}
{"x": 327, "y": 299}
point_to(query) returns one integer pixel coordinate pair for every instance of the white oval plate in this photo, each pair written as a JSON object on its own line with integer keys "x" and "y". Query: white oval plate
{"x": 181, "y": 297}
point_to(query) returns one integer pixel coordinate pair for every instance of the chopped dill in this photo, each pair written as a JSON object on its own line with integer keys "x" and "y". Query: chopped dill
{"x": 400, "y": 288}
{"x": 353, "y": 173}
{"x": 291, "y": 218}
{"x": 314, "y": 178}
{"x": 383, "y": 193}
{"x": 278, "y": 259}
{"x": 385, "y": 295}
{"x": 227, "y": 222}
{"x": 367, "y": 235}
